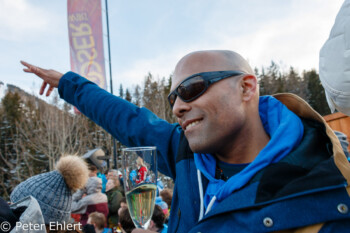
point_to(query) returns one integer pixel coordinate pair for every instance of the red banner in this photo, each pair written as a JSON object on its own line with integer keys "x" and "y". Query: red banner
{"x": 86, "y": 40}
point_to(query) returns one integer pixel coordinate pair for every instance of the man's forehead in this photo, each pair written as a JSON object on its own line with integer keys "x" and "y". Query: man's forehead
{"x": 198, "y": 63}
{"x": 206, "y": 61}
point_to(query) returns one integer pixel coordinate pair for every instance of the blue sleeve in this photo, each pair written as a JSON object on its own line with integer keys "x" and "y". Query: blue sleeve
{"x": 129, "y": 124}
{"x": 336, "y": 226}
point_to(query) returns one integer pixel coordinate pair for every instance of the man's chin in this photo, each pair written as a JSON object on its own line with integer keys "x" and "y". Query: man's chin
{"x": 198, "y": 147}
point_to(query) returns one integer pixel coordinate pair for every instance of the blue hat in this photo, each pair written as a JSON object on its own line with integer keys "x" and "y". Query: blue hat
{"x": 162, "y": 204}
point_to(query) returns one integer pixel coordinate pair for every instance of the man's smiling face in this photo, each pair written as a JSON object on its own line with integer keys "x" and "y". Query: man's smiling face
{"x": 213, "y": 120}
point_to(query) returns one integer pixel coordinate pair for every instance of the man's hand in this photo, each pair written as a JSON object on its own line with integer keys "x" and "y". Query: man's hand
{"x": 50, "y": 77}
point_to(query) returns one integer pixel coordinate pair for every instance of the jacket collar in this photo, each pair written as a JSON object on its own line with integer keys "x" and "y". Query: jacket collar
{"x": 303, "y": 109}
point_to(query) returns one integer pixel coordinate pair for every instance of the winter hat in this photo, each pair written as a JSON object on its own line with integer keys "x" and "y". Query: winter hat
{"x": 162, "y": 205}
{"x": 53, "y": 190}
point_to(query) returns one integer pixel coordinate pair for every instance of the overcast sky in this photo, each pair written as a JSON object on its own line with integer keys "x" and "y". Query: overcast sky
{"x": 152, "y": 35}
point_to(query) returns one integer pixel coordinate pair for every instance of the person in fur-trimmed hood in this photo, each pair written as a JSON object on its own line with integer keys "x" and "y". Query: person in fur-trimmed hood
{"x": 52, "y": 190}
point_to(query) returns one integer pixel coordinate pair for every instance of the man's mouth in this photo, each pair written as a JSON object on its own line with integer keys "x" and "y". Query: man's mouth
{"x": 192, "y": 124}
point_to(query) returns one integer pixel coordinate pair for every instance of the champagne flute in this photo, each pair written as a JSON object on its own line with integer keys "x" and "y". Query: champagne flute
{"x": 140, "y": 183}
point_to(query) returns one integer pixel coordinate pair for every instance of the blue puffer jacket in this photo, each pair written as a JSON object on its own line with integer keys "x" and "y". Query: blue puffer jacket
{"x": 306, "y": 190}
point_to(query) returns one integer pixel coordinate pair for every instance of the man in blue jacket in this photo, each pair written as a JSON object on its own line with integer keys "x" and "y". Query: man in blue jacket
{"x": 240, "y": 162}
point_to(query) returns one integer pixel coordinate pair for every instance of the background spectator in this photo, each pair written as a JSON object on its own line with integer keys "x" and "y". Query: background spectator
{"x": 126, "y": 224}
{"x": 123, "y": 205}
{"x": 90, "y": 199}
{"x": 114, "y": 197}
{"x": 167, "y": 195}
{"x": 157, "y": 222}
{"x": 93, "y": 172}
{"x": 162, "y": 204}
{"x": 116, "y": 174}
{"x": 98, "y": 220}
{"x": 141, "y": 171}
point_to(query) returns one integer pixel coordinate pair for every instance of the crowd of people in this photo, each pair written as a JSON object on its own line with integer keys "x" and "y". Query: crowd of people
{"x": 71, "y": 199}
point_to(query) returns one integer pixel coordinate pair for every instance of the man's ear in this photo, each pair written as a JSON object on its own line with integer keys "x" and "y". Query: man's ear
{"x": 249, "y": 85}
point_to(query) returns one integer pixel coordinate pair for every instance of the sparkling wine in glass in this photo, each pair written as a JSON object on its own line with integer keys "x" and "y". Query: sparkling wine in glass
{"x": 140, "y": 183}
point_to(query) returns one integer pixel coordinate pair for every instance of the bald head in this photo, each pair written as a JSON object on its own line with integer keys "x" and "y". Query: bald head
{"x": 210, "y": 60}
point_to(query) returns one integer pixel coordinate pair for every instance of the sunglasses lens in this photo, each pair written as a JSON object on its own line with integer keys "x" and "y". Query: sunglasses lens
{"x": 195, "y": 85}
{"x": 172, "y": 98}
{"x": 191, "y": 88}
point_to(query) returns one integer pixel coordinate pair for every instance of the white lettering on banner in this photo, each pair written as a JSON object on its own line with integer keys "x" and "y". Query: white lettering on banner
{"x": 78, "y": 17}
{"x": 83, "y": 42}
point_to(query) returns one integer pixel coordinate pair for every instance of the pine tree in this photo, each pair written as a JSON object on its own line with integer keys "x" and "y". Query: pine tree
{"x": 169, "y": 116}
{"x": 137, "y": 96}
{"x": 316, "y": 96}
{"x": 128, "y": 96}
{"x": 11, "y": 169}
{"x": 271, "y": 82}
{"x": 121, "y": 91}
{"x": 12, "y": 106}
{"x": 295, "y": 84}
{"x": 150, "y": 91}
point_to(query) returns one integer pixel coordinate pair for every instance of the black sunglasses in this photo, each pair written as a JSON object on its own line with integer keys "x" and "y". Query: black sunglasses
{"x": 194, "y": 86}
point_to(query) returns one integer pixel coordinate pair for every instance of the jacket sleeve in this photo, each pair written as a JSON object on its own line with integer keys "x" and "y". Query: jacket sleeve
{"x": 79, "y": 206}
{"x": 336, "y": 226}
{"x": 131, "y": 125}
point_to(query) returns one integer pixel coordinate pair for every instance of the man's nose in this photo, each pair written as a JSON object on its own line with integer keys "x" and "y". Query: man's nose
{"x": 180, "y": 107}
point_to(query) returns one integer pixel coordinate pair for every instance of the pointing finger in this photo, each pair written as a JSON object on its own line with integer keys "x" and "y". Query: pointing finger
{"x": 25, "y": 63}
{"x": 31, "y": 68}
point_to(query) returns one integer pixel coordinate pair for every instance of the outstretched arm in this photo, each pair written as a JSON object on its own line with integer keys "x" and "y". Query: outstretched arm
{"x": 130, "y": 124}
{"x": 51, "y": 77}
